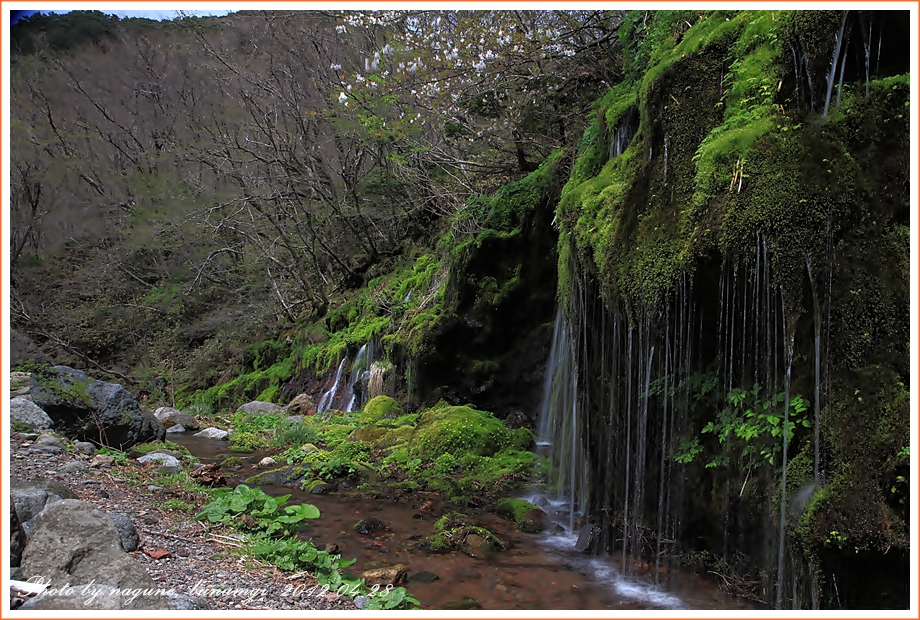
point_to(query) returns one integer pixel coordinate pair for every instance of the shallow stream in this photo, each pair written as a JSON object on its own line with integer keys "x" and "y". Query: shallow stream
{"x": 538, "y": 571}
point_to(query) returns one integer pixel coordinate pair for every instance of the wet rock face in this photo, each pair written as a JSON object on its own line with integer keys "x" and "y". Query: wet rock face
{"x": 83, "y": 408}
{"x": 492, "y": 351}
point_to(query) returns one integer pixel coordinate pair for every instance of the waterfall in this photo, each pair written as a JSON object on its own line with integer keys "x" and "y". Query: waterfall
{"x": 325, "y": 403}
{"x": 833, "y": 69}
{"x": 628, "y": 446}
{"x": 558, "y": 423}
{"x": 789, "y": 324}
{"x": 666, "y": 158}
{"x": 359, "y": 373}
{"x": 817, "y": 312}
{"x": 624, "y": 133}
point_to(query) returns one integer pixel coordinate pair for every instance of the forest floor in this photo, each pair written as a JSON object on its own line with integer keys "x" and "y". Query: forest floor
{"x": 200, "y": 560}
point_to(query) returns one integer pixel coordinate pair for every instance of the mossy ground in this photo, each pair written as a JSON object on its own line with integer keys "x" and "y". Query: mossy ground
{"x": 458, "y": 451}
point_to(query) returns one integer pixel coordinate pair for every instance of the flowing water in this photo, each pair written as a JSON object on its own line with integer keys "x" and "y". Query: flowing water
{"x": 538, "y": 571}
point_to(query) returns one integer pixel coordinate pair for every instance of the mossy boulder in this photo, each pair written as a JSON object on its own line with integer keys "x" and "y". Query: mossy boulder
{"x": 381, "y": 407}
{"x": 451, "y": 520}
{"x": 527, "y": 516}
{"x": 470, "y": 539}
{"x": 459, "y": 431}
{"x": 85, "y": 409}
{"x": 232, "y": 463}
{"x": 318, "y": 487}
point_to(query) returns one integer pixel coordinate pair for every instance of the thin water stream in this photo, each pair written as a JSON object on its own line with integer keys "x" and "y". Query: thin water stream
{"x": 537, "y": 571}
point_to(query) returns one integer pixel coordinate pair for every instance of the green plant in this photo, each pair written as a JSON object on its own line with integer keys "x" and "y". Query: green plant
{"x": 120, "y": 457}
{"x": 391, "y": 598}
{"x": 269, "y": 512}
{"x": 21, "y": 427}
{"x": 296, "y": 435}
{"x": 176, "y": 504}
{"x": 757, "y": 423}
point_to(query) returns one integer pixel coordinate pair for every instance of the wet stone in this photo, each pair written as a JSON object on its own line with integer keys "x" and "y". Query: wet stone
{"x": 369, "y": 526}
{"x": 423, "y": 577}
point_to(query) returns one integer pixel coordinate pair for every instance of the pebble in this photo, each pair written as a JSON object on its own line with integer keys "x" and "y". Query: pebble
{"x": 74, "y": 467}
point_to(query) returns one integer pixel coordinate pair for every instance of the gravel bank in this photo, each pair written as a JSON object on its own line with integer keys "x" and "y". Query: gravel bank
{"x": 199, "y": 559}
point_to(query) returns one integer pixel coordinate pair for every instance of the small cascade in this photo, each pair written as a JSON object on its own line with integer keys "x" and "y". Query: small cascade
{"x": 558, "y": 423}
{"x": 832, "y": 72}
{"x": 665, "y": 158}
{"x": 325, "y": 403}
{"x": 817, "y": 404}
{"x": 357, "y": 380}
{"x": 789, "y": 324}
{"x": 624, "y": 133}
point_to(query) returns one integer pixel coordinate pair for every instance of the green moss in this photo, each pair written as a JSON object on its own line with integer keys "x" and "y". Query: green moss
{"x": 450, "y": 521}
{"x": 512, "y": 509}
{"x": 233, "y": 463}
{"x": 381, "y": 407}
{"x": 309, "y": 485}
{"x": 459, "y": 431}
{"x": 333, "y": 434}
{"x": 454, "y": 536}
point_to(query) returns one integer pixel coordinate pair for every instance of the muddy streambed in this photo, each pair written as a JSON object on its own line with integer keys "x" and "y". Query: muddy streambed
{"x": 538, "y": 571}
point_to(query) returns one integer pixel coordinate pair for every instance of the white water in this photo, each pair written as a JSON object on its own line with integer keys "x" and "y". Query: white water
{"x": 600, "y": 569}
{"x": 325, "y": 403}
{"x": 359, "y": 371}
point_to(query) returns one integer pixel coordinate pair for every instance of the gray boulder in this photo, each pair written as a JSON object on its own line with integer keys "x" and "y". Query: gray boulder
{"x": 97, "y": 596}
{"x": 83, "y": 408}
{"x": 172, "y": 430}
{"x": 168, "y": 416}
{"x": 260, "y": 407}
{"x": 46, "y": 439}
{"x": 212, "y": 433}
{"x": 26, "y": 412}
{"x": 30, "y": 498}
{"x": 84, "y": 447}
{"x": 174, "y": 453}
{"x": 75, "y": 543}
{"x": 126, "y": 530}
{"x": 168, "y": 463}
{"x": 74, "y": 467}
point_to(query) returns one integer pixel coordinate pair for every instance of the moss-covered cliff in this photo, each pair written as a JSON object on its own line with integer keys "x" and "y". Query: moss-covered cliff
{"x": 743, "y": 217}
